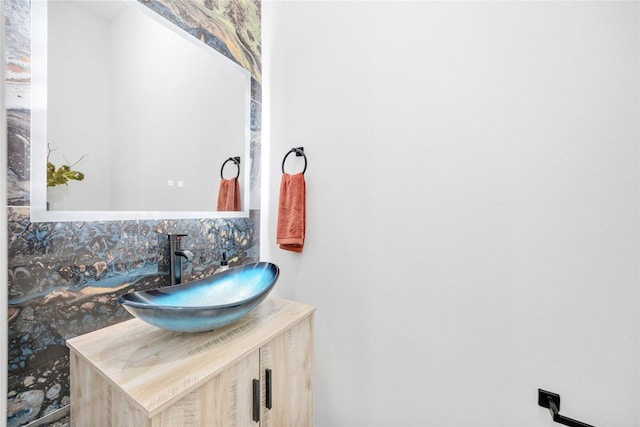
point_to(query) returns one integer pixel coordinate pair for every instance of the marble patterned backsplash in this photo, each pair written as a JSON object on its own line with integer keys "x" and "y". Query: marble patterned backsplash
{"x": 64, "y": 280}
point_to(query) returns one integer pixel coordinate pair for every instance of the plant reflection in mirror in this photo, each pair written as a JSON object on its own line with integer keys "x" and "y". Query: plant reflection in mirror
{"x": 62, "y": 174}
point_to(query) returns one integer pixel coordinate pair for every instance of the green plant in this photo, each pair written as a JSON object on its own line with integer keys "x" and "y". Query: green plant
{"x": 62, "y": 175}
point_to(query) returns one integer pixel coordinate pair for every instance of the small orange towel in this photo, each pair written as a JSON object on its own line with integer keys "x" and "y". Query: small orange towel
{"x": 229, "y": 195}
{"x": 292, "y": 212}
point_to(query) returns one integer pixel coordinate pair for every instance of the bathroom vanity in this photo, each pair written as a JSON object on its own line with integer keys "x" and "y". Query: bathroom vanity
{"x": 257, "y": 371}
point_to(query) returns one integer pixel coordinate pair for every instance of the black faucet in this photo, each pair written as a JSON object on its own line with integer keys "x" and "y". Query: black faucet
{"x": 176, "y": 253}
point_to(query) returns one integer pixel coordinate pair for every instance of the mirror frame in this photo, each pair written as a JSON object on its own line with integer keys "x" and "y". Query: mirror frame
{"x": 39, "y": 212}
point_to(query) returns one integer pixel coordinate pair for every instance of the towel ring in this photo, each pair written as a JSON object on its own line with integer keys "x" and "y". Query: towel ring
{"x": 235, "y": 160}
{"x": 299, "y": 153}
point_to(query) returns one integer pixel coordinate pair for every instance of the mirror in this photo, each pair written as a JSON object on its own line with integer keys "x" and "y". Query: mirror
{"x": 147, "y": 112}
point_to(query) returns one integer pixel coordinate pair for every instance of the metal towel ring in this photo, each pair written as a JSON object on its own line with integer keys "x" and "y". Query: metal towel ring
{"x": 235, "y": 160}
{"x": 299, "y": 153}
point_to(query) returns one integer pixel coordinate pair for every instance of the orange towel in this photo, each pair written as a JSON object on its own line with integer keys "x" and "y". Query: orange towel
{"x": 229, "y": 195}
{"x": 292, "y": 212}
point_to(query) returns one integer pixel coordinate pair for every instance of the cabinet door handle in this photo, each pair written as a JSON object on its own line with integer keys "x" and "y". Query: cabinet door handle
{"x": 268, "y": 385}
{"x": 256, "y": 400}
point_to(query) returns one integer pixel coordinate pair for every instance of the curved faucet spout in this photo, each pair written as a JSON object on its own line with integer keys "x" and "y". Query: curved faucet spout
{"x": 188, "y": 255}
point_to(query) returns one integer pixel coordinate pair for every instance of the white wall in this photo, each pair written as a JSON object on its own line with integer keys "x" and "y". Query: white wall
{"x": 472, "y": 206}
{"x": 189, "y": 129}
{"x": 78, "y": 119}
{"x": 162, "y": 107}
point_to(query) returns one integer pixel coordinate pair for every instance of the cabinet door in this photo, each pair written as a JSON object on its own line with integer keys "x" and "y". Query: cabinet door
{"x": 224, "y": 401}
{"x": 289, "y": 358}
{"x": 96, "y": 402}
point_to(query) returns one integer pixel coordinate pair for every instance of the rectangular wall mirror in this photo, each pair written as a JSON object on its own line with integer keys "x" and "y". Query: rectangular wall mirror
{"x": 147, "y": 112}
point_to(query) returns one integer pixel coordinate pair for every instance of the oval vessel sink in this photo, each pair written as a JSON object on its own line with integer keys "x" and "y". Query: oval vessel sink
{"x": 204, "y": 304}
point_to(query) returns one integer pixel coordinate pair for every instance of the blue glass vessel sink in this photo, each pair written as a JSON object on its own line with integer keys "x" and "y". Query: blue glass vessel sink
{"x": 204, "y": 304}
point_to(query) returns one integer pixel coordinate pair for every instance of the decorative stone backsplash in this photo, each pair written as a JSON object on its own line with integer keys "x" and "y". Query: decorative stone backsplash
{"x": 64, "y": 278}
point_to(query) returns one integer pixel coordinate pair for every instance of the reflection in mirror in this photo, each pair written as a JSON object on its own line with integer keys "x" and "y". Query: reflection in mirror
{"x": 144, "y": 110}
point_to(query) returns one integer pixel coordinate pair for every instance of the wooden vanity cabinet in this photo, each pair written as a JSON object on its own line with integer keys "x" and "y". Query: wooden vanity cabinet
{"x": 255, "y": 372}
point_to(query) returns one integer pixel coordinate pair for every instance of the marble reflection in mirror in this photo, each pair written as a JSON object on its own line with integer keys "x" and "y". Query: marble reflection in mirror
{"x": 144, "y": 110}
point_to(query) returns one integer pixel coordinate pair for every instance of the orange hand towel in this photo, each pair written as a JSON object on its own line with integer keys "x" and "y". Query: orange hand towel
{"x": 292, "y": 212}
{"x": 229, "y": 195}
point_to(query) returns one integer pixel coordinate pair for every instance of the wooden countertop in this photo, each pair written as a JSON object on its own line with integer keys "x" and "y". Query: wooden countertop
{"x": 156, "y": 367}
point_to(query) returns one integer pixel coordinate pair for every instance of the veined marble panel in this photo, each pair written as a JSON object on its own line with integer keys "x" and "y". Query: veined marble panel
{"x": 232, "y": 27}
{"x": 19, "y": 156}
{"x": 17, "y": 15}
